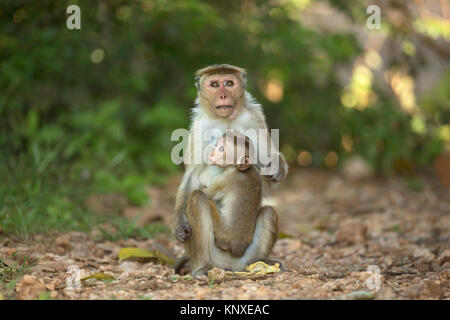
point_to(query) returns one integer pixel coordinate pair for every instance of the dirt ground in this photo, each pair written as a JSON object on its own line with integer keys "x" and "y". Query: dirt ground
{"x": 336, "y": 235}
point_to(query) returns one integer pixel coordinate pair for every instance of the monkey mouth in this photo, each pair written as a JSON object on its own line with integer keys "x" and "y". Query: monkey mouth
{"x": 227, "y": 106}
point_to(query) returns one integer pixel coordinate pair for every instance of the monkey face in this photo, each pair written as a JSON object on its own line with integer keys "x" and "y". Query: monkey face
{"x": 223, "y": 94}
{"x": 217, "y": 155}
{"x": 238, "y": 156}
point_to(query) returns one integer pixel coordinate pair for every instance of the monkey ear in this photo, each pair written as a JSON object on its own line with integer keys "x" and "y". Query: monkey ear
{"x": 244, "y": 163}
{"x": 244, "y": 79}
{"x": 197, "y": 82}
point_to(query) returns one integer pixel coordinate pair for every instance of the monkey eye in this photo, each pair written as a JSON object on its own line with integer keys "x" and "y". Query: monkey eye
{"x": 229, "y": 83}
{"x": 214, "y": 84}
{"x": 221, "y": 148}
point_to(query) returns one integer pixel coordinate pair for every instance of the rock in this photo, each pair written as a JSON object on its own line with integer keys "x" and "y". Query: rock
{"x": 129, "y": 266}
{"x": 413, "y": 292}
{"x": 359, "y": 295}
{"x": 433, "y": 289}
{"x": 63, "y": 244}
{"x": 29, "y": 288}
{"x": 51, "y": 289}
{"x": 386, "y": 293}
{"x": 357, "y": 168}
{"x": 147, "y": 285}
{"x": 56, "y": 266}
{"x": 109, "y": 247}
{"x": 444, "y": 256}
{"x": 352, "y": 232}
{"x": 444, "y": 275}
{"x": 216, "y": 274}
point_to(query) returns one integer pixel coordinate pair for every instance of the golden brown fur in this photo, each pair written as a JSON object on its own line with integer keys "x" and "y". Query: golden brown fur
{"x": 198, "y": 217}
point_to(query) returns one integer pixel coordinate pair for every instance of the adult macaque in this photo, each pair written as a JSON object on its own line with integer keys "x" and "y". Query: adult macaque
{"x": 222, "y": 103}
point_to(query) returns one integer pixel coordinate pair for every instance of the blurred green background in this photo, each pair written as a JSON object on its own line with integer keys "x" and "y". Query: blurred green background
{"x": 91, "y": 111}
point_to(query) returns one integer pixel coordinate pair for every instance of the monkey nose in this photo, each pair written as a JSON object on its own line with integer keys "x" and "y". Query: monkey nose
{"x": 223, "y": 96}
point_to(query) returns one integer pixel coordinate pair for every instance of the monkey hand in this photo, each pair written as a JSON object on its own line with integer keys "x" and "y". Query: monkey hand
{"x": 183, "y": 229}
{"x": 282, "y": 170}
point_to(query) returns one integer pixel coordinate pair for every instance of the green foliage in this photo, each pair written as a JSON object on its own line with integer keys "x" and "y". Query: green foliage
{"x": 45, "y": 296}
{"x": 33, "y": 202}
{"x": 10, "y": 274}
{"x": 127, "y": 229}
{"x": 92, "y": 110}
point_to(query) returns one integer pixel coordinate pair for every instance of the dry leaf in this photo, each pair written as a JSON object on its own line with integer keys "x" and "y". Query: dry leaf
{"x": 29, "y": 288}
{"x": 257, "y": 268}
{"x": 135, "y": 253}
{"x": 283, "y": 235}
{"x": 99, "y": 276}
{"x": 142, "y": 254}
{"x": 163, "y": 258}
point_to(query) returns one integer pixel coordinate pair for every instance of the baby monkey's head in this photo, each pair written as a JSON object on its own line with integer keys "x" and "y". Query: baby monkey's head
{"x": 232, "y": 149}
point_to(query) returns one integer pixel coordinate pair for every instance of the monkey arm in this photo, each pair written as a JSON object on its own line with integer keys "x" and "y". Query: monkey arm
{"x": 188, "y": 185}
{"x": 282, "y": 169}
{"x": 266, "y": 146}
{"x": 221, "y": 235}
{"x": 182, "y": 228}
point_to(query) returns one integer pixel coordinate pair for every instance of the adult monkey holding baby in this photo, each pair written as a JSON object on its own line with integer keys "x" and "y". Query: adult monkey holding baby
{"x": 222, "y": 103}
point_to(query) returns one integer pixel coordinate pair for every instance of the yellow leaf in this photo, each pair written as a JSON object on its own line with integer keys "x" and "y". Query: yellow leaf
{"x": 1, "y": 297}
{"x": 135, "y": 253}
{"x": 142, "y": 254}
{"x": 257, "y": 268}
{"x": 99, "y": 276}
{"x": 163, "y": 258}
{"x": 261, "y": 267}
{"x": 283, "y": 235}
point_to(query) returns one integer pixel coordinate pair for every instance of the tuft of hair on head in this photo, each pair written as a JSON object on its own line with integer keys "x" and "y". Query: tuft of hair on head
{"x": 221, "y": 69}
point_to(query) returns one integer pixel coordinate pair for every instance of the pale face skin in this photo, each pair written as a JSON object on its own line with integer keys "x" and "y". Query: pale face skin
{"x": 223, "y": 94}
{"x": 217, "y": 156}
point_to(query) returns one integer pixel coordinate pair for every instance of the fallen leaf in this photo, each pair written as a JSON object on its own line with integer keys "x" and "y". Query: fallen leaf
{"x": 283, "y": 235}
{"x": 163, "y": 258}
{"x": 135, "y": 253}
{"x": 40, "y": 268}
{"x": 143, "y": 254}
{"x": 99, "y": 276}
{"x": 257, "y": 268}
{"x": 260, "y": 266}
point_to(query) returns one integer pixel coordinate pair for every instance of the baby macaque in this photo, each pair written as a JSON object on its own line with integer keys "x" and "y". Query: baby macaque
{"x": 234, "y": 187}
